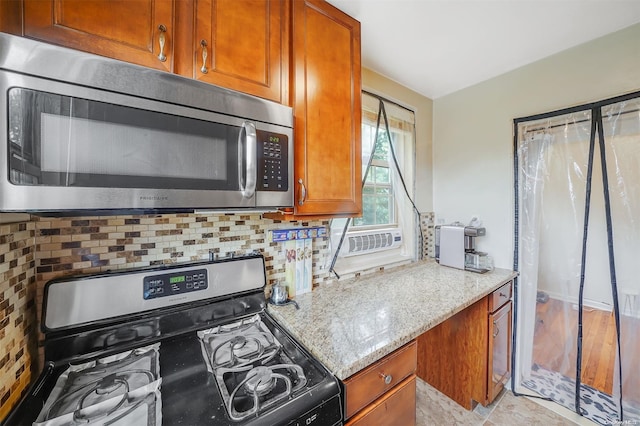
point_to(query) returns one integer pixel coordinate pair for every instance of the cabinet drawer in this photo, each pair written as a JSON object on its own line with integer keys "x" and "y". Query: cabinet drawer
{"x": 398, "y": 407}
{"x": 499, "y": 297}
{"x": 366, "y": 386}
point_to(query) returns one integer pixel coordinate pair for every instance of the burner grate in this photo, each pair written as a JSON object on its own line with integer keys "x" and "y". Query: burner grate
{"x": 252, "y": 370}
{"x": 109, "y": 391}
{"x": 259, "y": 388}
{"x": 239, "y": 344}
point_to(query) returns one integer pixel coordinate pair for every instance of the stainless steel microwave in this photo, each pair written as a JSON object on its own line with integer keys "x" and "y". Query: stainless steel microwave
{"x": 83, "y": 132}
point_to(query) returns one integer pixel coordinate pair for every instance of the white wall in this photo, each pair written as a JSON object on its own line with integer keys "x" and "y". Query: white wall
{"x": 472, "y": 128}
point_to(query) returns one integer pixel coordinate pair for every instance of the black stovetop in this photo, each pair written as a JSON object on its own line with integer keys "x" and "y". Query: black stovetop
{"x": 191, "y": 396}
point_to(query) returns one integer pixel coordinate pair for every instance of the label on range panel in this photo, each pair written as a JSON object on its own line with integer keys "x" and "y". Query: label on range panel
{"x": 173, "y": 283}
{"x": 329, "y": 413}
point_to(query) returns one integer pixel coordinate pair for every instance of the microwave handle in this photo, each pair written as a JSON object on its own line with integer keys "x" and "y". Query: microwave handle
{"x": 247, "y": 150}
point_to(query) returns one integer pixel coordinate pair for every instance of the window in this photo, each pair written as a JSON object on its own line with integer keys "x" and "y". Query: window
{"x": 378, "y": 206}
{"x": 386, "y": 210}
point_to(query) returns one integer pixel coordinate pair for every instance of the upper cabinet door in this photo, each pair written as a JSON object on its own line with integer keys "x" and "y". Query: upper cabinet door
{"x": 137, "y": 31}
{"x": 243, "y": 45}
{"x": 327, "y": 110}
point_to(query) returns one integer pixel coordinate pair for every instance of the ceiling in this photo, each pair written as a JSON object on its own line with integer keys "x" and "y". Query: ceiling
{"x": 436, "y": 47}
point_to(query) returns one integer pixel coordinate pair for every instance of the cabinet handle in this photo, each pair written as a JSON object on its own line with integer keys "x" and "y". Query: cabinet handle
{"x": 303, "y": 192}
{"x": 503, "y": 295}
{"x": 204, "y": 69}
{"x": 161, "y": 40}
{"x": 387, "y": 378}
{"x": 497, "y": 331}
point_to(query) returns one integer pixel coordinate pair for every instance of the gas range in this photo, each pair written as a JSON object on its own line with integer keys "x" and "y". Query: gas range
{"x": 188, "y": 345}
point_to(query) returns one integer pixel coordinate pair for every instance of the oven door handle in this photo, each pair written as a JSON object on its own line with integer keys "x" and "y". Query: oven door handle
{"x": 247, "y": 146}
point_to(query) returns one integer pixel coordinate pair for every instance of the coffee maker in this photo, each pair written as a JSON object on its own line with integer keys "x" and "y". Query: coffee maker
{"x": 456, "y": 247}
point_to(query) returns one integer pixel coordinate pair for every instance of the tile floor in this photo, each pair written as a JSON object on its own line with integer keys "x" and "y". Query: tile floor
{"x": 433, "y": 408}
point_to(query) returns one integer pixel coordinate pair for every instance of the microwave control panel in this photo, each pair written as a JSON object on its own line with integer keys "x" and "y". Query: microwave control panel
{"x": 174, "y": 283}
{"x": 273, "y": 156}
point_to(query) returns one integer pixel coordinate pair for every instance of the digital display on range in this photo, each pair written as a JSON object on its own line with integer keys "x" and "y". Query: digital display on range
{"x": 173, "y": 283}
{"x": 177, "y": 279}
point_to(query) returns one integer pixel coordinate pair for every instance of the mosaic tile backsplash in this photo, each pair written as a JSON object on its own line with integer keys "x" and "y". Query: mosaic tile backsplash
{"x": 94, "y": 244}
{"x": 34, "y": 252}
{"x": 17, "y": 311}
{"x": 427, "y": 226}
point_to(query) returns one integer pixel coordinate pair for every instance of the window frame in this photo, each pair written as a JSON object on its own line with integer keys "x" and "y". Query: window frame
{"x": 404, "y": 218}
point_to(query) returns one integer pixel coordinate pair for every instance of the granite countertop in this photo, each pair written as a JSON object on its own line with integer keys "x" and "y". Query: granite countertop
{"x": 350, "y": 324}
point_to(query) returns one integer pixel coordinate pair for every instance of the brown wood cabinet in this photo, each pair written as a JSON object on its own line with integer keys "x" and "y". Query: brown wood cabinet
{"x": 468, "y": 356}
{"x": 243, "y": 44}
{"x": 327, "y": 110}
{"x": 137, "y": 31}
{"x": 11, "y": 16}
{"x": 238, "y": 44}
{"x": 385, "y": 392}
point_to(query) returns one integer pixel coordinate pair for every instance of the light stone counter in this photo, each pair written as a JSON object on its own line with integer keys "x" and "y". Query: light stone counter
{"x": 350, "y": 324}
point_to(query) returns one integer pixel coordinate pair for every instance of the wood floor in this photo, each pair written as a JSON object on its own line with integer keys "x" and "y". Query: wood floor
{"x": 555, "y": 346}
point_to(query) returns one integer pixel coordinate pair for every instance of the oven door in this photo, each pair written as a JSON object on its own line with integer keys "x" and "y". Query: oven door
{"x": 75, "y": 148}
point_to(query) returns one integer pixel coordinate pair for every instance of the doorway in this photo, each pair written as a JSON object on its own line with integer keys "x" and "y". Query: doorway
{"x": 577, "y": 245}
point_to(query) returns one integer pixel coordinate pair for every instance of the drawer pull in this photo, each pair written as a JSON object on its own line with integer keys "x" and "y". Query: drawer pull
{"x": 387, "y": 378}
{"x": 503, "y": 295}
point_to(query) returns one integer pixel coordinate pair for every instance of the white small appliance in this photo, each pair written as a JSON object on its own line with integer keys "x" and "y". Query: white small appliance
{"x": 455, "y": 246}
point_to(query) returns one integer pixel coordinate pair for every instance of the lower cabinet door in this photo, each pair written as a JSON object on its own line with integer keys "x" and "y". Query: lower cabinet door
{"x": 499, "y": 351}
{"x": 396, "y": 407}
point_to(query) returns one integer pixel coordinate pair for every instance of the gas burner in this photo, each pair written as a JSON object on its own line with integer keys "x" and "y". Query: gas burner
{"x": 261, "y": 388}
{"x": 260, "y": 381}
{"x": 110, "y": 384}
{"x": 105, "y": 386}
{"x": 113, "y": 387}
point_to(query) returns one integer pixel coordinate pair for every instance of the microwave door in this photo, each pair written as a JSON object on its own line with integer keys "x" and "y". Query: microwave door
{"x": 81, "y": 153}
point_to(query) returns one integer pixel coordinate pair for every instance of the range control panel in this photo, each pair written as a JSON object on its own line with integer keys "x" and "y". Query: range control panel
{"x": 174, "y": 283}
{"x": 273, "y": 155}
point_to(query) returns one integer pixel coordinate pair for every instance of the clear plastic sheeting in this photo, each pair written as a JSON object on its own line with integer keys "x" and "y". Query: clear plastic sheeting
{"x": 577, "y": 242}
{"x": 621, "y": 126}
